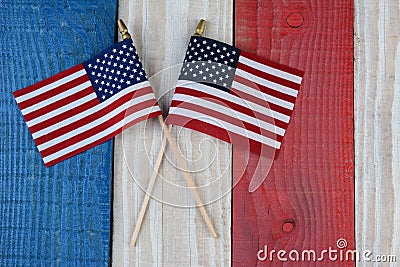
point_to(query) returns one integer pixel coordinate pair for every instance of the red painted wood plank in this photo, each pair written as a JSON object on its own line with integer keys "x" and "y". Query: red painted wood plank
{"x": 311, "y": 185}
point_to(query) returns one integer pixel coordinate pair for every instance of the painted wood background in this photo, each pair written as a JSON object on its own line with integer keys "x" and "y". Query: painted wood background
{"x": 60, "y": 215}
{"x": 307, "y": 200}
{"x": 171, "y": 236}
{"x": 377, "y": 127}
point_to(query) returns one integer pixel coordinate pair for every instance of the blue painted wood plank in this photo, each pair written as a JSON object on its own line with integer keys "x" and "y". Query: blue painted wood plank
{"x": 58, "y": 216}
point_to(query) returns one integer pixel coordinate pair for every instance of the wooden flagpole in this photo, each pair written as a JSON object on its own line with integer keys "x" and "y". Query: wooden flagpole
{"x": 167, "y": 136}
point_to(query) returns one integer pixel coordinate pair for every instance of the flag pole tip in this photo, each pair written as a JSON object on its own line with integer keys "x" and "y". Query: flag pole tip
{"x": 200, "y": 28}
{"x": 123, "y": 29}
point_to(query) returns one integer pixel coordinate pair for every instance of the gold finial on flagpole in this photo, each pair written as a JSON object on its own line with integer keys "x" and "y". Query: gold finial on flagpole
{"x": 200, "y": 28}
{"x": 123, "y": 30}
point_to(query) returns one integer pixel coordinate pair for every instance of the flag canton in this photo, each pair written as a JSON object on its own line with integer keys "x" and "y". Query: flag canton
{"x": 210, "y": 62}
{"x": 115, "y": 69}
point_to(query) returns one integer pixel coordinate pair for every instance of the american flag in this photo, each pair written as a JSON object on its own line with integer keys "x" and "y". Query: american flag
{"x": 233, "y": 96}
{"x": 88, "y": 104}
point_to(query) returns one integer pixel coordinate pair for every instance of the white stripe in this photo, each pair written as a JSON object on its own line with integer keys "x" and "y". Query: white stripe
{"x": 227, "y": 126}
{"x": 51, "y": 86}
{"x": 55, "y": 98}
{"x": 270, "y": 70}
{"x": 269, "y": 84}
{"x": 99, "y": 135}
{"x": 230, "y": 112}
{"x": 95, "y": 123}
{"x": 262, "y": 96}
{"x": 83, "y": 100}
{"x": 234, "y": 99}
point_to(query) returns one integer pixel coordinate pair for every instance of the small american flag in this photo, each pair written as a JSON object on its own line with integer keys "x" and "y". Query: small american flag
{"x": 88, "y": 104}
{"x": 234, "y": 96}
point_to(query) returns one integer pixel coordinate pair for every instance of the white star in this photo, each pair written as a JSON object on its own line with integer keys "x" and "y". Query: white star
{"x": 194, "y": 74}
{"x": 95, "y": 67}
{"x": 102, "y": 82}
{"x": 108, "y": 84}
{"x": 111, "y": 56}
{"x": 103, "y": 62}
{"x": 224, "y": 48}
{"x": 119, "y": 87}
{"x": 118, "y": 72}
{"x": 107, "y": 70}
{"x": 227, "y": 76}
{"x": 128, "y": 82}
{"x": 194, "y": 40}
{"x": 114, "y": 50}
{"x": 97, "y": 60}
{"x": 226, "y": 62}
{"x": 121, "y": 66}
{"x": 130, "y": 48}
{"x": 124, "y": 46}
{"x": 234, "y": 52}
{"x": 103, "y": 97}
{"x": 93, "y": 73}
{"x": 201, "y": 72}
{"x": 96, "y": 81}
{"x": 105, "y": 55}
{"x": 138, "y": 78}
{"x": 128, "y": 68}
{"x": 204, "y": 78}
{"x": 124, "y": 74}
{"x": 128, "y": 54}
{"x": 101, "y": 68}
{"x": 140, "y": 73}
{"x": 202, "y": 50}
{"x": 130, "y": 62}
{"x": 117, "y": 58}
{"x": 208, "y": 47}
{"x": 100, "y": 89}
{"x": 207, "y": 69}
{"x": 121, "y": 52}
{"x": 216, "y": 58}
{"x": 124, "y": 60}
{"x": 121, "y": 81}
{"x": 204, "y": 42}
{"x": 220, "y": 78}
{"x": 90, "y": 65}
{"x": 223, "y": 70}
{"x": 214, "y": 45}
{"x": 111, "y": 92}
{"x": 225, "y": 85}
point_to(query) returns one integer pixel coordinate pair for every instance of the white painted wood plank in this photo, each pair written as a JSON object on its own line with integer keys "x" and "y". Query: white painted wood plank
{"x": 377, "y": 127}
{"x": 171, "y": 236}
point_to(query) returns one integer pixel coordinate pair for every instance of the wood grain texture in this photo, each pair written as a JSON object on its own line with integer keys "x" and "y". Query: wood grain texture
{"x": 58, "y": 216}
{"x": 311, "y": 184}
{"x": 171, "y": 236}
{"x": 377, "y": 127}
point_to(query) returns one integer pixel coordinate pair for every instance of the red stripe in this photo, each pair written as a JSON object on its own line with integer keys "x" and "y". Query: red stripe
{"x": 88, "y": 119}
{"x": 101, "y": 140}
{"x": 52, "y": 79}
{"x": 217, "y": 132}
{"x": 55, "y": 105}
{"x": 264, "y": 89}
{"x": 268, "y": 77}
{"x": 57, "y": 90}
{"x": 86, "y": 134}
{"x": 235, "y": 121}
{"x": 272, "y": 64}
{"x": 220, "y": 101}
